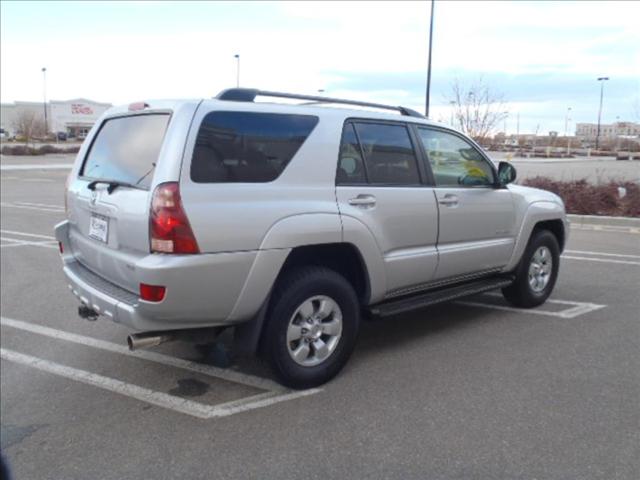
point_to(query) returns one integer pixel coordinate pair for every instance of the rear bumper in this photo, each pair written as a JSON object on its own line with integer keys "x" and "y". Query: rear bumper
{"x": 201, "y": 290}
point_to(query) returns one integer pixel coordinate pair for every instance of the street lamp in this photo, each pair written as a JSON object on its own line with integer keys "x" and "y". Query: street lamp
{"x": 566, "y": 121}
{"x": 601, "y": 80}
{"x": 44, "y": 98}
{"x": 429, "y": 65}
{"x": 452, "y": 103}
{"x": 237, "y": 57}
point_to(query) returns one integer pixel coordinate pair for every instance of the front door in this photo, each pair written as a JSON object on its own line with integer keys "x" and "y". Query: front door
{"x": 477, "y": 218}
{"x": 379, "y": 183}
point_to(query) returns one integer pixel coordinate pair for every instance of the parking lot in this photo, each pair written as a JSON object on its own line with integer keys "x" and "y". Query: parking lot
{"x": 467, "y": 390}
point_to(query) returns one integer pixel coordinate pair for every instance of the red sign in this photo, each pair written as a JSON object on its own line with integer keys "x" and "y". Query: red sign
{"x": 81, "y": 109}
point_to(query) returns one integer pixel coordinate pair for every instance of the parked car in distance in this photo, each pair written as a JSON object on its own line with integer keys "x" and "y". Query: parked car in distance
{"x": 292, "y": 223}
{"x": 61, "y": 136}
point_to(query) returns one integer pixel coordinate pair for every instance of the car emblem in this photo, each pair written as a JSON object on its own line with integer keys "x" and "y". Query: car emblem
{"x": 94, "y": 197}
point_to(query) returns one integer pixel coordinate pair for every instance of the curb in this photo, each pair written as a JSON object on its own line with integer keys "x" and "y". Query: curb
{"x": 584, "y": 220}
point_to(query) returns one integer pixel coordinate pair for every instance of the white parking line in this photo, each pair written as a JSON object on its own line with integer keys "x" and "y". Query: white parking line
{"x": 606, "y": 228}
{"x": 28, "y": 207}
{"x": 45, "y": 205}
{"x": 25, "y": 234}
{"x": 224, "y": 374}
{"x": 139, "y": 393}
{"x": 602, "y": 260}
{"x": 22, "y": 243}
{"x": 576, "y": 308}
{"x": 276, "y": 393}
{"x": 601, "y": 254}
{"x": 37, "y": 166}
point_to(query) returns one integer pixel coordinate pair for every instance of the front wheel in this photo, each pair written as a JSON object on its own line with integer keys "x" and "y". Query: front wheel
{"x": 537, "y": 272}
{"x": 312, "y": 326}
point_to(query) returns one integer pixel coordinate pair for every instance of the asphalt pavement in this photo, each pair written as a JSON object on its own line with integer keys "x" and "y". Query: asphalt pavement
{"x": 465, "y": 390}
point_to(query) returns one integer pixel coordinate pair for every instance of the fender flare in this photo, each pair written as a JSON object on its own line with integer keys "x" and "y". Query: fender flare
{"x": 536, "y": 212}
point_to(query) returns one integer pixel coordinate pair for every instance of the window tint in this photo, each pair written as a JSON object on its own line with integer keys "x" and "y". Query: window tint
{"x": 350, "y": 165}
{"x": 247, "y": 146}
{"x": 454, "y": 161}
{"x": 388, "y": 153}
{"x": 126, "y": 149}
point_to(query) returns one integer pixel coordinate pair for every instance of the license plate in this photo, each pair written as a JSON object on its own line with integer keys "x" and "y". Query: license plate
{"x": 99, "y": 228}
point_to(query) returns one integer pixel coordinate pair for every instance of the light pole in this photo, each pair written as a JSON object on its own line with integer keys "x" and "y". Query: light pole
{"x": 44, "y": 99}
{"x": 429, "y": 65}
{"x": 452, "y": 103}
{"x": 601, "y": 80}
{"x": 566, "y": 121}
{"x": 566, "y": 131}
{"x": 237, "y": 57}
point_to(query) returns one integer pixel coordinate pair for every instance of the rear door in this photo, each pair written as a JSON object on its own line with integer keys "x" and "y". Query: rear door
{"x": 379, "y": 183}
{"x": 477, "y": 218}
{"x": 110, "y": 221}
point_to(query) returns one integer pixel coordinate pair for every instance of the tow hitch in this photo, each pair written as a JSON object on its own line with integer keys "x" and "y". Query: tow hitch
{"x": 87, "y": 313}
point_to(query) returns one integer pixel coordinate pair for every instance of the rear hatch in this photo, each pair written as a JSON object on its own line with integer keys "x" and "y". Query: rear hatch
{"x": 109, "y": 195}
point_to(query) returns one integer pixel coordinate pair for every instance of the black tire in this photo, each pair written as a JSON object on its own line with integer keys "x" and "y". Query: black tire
{"x": 520, "y": 293}
{"x": 296, "y": 287}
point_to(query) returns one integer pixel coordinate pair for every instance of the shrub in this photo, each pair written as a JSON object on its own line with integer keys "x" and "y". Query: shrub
{"x": 48, "y": 149}
{"x": 18, "y": 150}
{"x": 44, "y": 149}
{"x": 583, "y": 198}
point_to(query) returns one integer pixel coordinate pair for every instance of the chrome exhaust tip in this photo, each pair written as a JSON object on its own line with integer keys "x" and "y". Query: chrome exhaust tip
{"x": 137, "y": 341}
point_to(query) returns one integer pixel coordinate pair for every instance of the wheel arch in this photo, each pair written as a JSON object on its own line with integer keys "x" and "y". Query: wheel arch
{"x": 539, "y": 215}
{"x": 556, "y": 227}
{"x": 343, "y": 258}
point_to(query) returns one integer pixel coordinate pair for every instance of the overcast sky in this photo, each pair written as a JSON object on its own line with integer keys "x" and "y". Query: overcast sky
{"x": 544, "y": 56}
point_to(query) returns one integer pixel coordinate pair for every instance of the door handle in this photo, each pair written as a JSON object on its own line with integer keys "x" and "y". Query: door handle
{"x": 363, "y": 201}
{"x": 449, "y": 200}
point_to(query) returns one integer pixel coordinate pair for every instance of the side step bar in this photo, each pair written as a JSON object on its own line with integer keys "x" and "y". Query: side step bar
{"x": 406, "y": 304}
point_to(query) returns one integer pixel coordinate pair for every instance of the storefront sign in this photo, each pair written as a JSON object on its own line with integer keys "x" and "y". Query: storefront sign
{"x": 81, "y": 109}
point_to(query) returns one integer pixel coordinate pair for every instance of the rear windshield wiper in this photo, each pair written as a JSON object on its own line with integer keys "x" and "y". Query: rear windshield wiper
{"x": 113, "y": 184}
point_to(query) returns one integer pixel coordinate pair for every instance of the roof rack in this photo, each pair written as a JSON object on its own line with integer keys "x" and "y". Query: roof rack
{"x": 249, "y": 95}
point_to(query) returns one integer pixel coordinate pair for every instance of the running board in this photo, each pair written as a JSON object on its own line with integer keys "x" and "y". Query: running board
{"x": 406, "y": 304}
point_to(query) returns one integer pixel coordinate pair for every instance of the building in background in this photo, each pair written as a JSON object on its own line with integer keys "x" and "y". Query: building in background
{"x": 587, "y": 132}
{"x": 73, "y": 117}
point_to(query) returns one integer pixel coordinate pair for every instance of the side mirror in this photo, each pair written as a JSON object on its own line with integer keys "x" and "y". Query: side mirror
{"x": 506, "y": 173}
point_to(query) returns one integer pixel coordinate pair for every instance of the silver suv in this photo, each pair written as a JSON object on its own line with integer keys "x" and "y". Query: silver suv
{"x": 291, "y": 222}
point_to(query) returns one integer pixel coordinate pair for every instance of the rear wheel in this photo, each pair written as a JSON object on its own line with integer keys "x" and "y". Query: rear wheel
{"x": 537, "y": 273}
{"x": 312, "y": 326}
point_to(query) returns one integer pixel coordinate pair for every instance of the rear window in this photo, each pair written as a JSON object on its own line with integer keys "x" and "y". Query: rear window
{"x": 247, "y": 146}
{"x": 388, "y": 152}
{"x": 126, "y": 149}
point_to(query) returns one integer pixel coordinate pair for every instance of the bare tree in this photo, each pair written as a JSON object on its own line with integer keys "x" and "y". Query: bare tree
{"x": 477, "y": 109}
{"x": 28, "y": 124}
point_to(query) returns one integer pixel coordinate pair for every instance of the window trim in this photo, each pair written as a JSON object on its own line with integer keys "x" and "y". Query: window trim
{"x": 417, "y": 154}
{"x": 197, "y": 132}
{"x": 82, "y": 176}
{"x": 495, "y": 185}
{"x": 345, "y": 125}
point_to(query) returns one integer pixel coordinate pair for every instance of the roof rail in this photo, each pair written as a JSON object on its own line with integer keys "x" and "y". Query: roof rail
{"x": 249, "y": 95}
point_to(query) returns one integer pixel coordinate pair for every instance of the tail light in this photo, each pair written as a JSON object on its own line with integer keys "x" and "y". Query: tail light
{"x": 169, "y": 226}
{"x": 152, "y": 293}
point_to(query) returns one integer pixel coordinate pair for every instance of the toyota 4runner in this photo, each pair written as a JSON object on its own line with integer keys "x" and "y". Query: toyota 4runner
{"x": 291, "y": 222}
